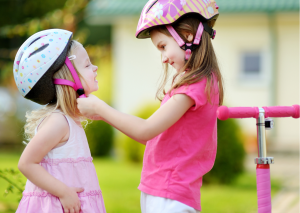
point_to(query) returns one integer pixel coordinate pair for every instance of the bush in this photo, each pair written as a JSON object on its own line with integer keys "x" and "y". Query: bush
{"x": 11, "y": 133}
{"x": 134, "y": 151}
{"x": 230, "y": 154}
{"x": 100, "y": 138}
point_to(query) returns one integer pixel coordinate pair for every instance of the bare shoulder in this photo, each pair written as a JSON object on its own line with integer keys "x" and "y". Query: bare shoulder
{"x": 51, "y": 131}
{"x": 55, "y": 122}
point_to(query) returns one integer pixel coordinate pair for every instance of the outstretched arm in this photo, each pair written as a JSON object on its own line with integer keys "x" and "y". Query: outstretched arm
{"x": 137, "y": 128}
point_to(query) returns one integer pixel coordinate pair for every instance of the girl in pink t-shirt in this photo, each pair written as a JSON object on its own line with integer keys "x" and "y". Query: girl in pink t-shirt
{"x": 181, "y": 136}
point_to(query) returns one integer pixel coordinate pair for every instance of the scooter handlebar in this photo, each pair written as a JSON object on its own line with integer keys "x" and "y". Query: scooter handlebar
{"x": 225, "y": 112}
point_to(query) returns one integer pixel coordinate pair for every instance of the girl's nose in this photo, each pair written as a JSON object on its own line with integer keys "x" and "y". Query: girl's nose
{"x": 95, "y": 68}
{"x": 165, "y": 59}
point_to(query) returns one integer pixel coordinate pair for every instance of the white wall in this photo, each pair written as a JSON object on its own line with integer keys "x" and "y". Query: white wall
{"x": 288, "y": 76}
{"x": 137, "y": 67}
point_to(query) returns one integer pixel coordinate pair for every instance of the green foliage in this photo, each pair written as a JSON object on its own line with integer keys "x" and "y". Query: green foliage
{"x": 100, "y": 138}
{"x": 29, "y": 17}
{"x": 14, "y": 180}
{"x": 11, "y": 132}
{"x": 230, "y": 155}
{"x": 21, "y": 11}
{"x": 134, "y": 151}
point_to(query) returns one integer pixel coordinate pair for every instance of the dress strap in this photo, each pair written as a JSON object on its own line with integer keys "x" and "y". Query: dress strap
{"x": 55, "y": 111}
{"x": 36, "y": 128}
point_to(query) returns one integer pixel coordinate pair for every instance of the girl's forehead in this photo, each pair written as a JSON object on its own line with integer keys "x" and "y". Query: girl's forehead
{"x": 157, "y": 36}
{"x": 81, "y": 52}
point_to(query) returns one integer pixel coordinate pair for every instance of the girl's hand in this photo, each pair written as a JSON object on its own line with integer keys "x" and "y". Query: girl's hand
{"x": 87, "y": 107}
{"x": 70, "y": 201}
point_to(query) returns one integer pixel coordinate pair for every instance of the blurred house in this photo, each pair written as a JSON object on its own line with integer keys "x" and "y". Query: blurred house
{"x": 257, "y": 45}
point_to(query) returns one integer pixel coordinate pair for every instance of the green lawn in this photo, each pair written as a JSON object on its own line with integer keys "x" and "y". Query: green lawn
{"x": 119, "y": 181}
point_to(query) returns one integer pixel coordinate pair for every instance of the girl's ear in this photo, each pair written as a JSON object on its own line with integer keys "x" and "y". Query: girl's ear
{"x": 189, "y": 36}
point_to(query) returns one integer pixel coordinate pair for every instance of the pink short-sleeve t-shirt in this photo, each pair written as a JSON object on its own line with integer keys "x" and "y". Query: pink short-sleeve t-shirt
{"x": 175, "y": 161}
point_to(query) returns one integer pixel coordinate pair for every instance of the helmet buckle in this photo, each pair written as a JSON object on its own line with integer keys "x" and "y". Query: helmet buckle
{"x": 188, "y": 47}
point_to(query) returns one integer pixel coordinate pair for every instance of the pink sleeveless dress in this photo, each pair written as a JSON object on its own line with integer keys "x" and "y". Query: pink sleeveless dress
{"x": 72, "y": 164}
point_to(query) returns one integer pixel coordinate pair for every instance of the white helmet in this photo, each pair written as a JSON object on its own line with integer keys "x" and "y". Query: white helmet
{"x": 40, "y": 56}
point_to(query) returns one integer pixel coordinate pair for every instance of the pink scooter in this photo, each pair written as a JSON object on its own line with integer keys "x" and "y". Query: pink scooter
{"x": 263, "y": 162}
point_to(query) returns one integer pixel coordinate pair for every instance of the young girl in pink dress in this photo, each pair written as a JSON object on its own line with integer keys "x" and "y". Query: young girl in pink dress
{"x": 181, "y": 136}
{"x": 57, "y": 160}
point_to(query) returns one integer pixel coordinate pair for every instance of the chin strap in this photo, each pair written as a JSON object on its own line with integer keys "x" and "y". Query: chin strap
{"x": 77, "y": 85}
{"x": 189, "y": 47}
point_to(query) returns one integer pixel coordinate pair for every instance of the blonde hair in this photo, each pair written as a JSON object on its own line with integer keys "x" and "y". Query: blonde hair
{"x": 201, "y": 64}
{"x": 65, "y": 99}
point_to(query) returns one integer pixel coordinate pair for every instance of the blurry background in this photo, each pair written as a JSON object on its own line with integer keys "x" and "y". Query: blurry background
{"x": 257, "y": 45}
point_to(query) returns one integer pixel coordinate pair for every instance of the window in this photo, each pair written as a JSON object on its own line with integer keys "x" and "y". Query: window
{"x": 251, "y": 65}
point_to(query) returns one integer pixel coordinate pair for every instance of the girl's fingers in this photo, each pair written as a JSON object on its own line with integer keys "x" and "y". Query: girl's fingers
{"x": 79, "y": 189}
{"x": 72, "y": 211}
{"x": 77, "y": 209}
{"x": 66, "y": 210}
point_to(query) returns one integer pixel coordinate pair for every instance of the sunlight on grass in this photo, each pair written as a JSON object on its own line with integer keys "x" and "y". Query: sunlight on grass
{"x": 119, "y": 181}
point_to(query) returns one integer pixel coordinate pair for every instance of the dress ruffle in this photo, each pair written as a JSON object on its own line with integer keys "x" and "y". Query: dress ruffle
{"x": 74, "y": 172}
{"x": 91, "y": 202}
{"x": 45, "y": 194}
{"x": 67, "y": 160}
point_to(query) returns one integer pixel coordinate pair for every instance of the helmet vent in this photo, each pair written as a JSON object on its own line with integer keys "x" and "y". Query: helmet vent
{"x": 38, "y": 50}
{"x": 151, "y": 6}
{"x": 34, "y": 41}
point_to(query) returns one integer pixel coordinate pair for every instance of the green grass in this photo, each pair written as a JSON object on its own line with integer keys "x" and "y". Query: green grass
{"x": 240, "y": 197}
{"x": 119, "y": 180}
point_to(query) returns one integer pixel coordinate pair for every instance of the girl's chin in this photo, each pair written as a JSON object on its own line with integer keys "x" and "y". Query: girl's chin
{"x": 96, "y": 88}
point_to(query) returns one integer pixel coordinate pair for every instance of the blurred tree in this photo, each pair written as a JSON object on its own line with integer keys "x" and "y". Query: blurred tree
{"x": 29, "y": 17}
{"x": 21, "y": 11}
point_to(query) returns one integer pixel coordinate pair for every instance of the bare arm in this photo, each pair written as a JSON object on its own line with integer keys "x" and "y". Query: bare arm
{"x": 54, "y": 129}
{"x": 137, "y": 128}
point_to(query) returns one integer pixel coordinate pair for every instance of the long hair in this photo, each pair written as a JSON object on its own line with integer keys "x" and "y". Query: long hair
{"x": 65, "y": 99}
{"x": 201, "y": 64}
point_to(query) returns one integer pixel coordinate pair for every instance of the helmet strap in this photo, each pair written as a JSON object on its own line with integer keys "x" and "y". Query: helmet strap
{"x": 210, "y": 30}
{"x": 77, "y": 85}
{"x": 189, "y": 47}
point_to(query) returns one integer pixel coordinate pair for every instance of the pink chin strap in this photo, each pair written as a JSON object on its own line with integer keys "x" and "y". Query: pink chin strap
{"x": 188, "y": 47}
{"x": 77, "y": 85}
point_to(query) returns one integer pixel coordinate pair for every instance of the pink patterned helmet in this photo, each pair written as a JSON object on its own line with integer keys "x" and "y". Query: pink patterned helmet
{"x": 163, "y": 12}
{"x": 166, "y": 12}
